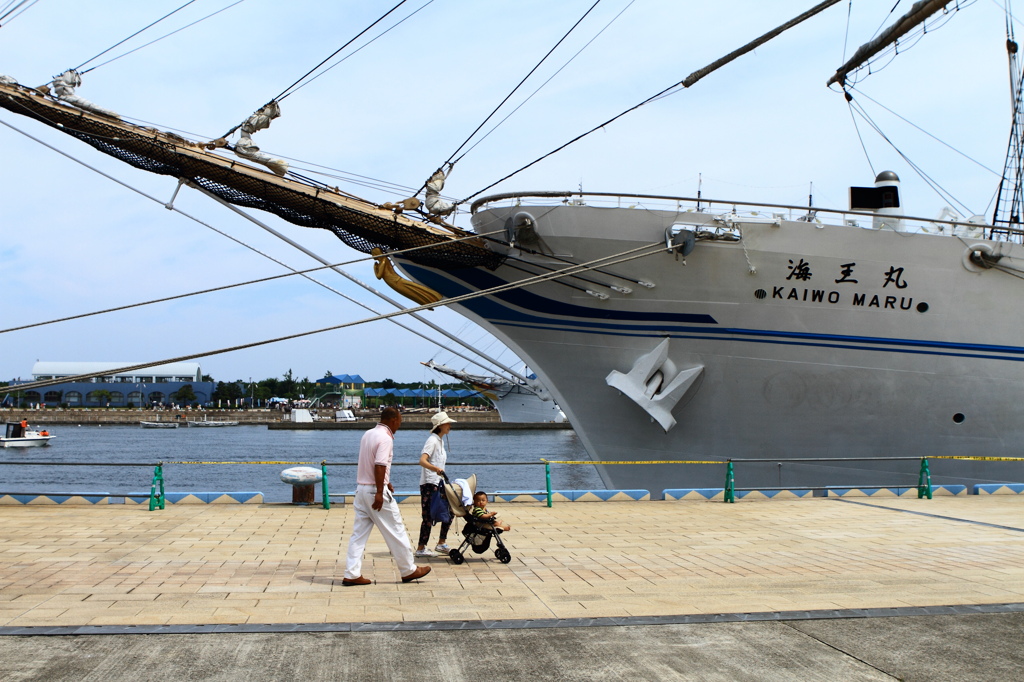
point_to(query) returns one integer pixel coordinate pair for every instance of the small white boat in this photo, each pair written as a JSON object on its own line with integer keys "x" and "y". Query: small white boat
{"x": 159, "y": 425}
{"x": 18, "y": 436}
{"x": 208, "y": 422}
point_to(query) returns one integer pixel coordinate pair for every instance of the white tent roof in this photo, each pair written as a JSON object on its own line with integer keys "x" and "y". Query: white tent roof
{"x": 175, "y": 369}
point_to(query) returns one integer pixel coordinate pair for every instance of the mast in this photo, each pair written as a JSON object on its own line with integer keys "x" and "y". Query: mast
{"x": 1008, "y": 197}
{"x": 917, "y": 15}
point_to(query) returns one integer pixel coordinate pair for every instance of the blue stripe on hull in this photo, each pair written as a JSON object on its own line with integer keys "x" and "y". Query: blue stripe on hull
{"x": 600, "y": 322}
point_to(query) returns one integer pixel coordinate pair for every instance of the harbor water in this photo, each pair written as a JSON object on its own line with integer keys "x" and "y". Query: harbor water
{"x": 245, "y": 444}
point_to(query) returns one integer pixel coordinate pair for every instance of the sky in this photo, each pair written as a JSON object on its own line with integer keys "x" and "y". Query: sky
{"x": 764, "y": 128}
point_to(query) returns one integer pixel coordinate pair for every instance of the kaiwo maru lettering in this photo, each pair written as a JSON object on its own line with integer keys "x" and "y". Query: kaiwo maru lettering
{"x": 801, "y": 271}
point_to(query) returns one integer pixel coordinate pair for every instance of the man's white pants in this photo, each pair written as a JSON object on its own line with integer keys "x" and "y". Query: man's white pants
{"x": 388, "y": 521}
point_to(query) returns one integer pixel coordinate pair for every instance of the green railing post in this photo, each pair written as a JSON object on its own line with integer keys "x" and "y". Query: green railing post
{"x": 156, "y": 499}
{"x": 730, "y": 483}
{"x": 924, "y": 480}
{"x": 547, "y": 476}
{"x": 324, "y": 492}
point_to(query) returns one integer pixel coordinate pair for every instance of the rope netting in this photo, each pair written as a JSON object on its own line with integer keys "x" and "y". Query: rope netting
{"x": 360, "y": 225}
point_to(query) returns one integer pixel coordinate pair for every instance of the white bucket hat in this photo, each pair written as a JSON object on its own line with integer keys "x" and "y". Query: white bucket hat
{"x": 441, "y": 418}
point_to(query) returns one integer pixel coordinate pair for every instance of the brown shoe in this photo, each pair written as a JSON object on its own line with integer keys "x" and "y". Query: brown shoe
{"x": 417, "y": 574}
{"x": 350, "y": 582}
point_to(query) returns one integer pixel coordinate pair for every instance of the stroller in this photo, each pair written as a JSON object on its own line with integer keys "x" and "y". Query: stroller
{"x": 477, "y": 535}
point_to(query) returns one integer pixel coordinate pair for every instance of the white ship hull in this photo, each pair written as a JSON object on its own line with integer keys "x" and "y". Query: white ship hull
{"x": 920, "y": 356}
{"x": 519, "y": 406}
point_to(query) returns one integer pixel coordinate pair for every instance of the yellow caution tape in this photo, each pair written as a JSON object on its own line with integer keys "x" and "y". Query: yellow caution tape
{"x": 980, "y": 459}
{"x": 665, "y": 461}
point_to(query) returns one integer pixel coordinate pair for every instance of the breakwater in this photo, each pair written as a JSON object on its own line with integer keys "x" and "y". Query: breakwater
{"x": 274, "y": 419}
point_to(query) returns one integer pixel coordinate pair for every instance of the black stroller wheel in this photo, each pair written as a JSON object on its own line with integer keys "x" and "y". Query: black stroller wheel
{"x": 456, "y": 556}
{"x": 503, "y": 555}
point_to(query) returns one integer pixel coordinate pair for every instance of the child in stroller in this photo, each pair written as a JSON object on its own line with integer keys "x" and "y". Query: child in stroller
{"x": 477, "y": 532}
{"x": 480, "y": 513}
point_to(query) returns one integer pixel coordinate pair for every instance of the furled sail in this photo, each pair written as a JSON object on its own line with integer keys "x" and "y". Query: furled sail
{"x": 247, "y": 149}
{"x": 360, "y": 224}
{"x": 917, "y": 15}
{"x": 435, "y": 204}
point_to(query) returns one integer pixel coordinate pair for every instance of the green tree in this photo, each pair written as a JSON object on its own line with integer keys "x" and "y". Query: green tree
{"x": 102, "y": 396}
{"x": 227, "y": 391}
{"x": 286, "y": 389}
{"x": 184, "y": 395}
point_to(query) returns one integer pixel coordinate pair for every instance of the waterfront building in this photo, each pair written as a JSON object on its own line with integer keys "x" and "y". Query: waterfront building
{"x": 344, "y": 389}
{"x": 158, "y": 385}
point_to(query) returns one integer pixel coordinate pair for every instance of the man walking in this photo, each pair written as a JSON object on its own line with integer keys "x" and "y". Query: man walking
{"x": 375, "y": 504}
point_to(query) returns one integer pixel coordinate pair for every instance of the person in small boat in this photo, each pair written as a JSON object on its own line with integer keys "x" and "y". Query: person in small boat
{"x": 480, "y": 512}
{"x": 433, "y": 460}
{"x": 23, "y": 431}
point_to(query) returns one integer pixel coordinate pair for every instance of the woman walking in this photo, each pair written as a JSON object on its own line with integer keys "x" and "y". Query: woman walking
{"x": 433, "y": 460}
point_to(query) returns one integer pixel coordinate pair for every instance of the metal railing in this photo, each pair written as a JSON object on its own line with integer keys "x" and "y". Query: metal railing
{"x": 157, "y": 496}
{"x": 156, "y": 490}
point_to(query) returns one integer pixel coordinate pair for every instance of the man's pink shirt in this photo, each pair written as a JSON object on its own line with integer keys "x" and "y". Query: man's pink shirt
{"x": 376, "y": 447}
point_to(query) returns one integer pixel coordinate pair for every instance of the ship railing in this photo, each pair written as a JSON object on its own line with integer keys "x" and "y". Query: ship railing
{"x": 703, "y": 210}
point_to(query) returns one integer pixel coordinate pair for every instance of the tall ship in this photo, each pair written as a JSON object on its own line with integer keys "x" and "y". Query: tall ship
{"x": 810, "y": 345}
{"x": 517, "y": 402}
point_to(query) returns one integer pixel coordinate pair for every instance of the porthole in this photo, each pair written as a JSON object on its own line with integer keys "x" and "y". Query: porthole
{"x": 959, "y": 418}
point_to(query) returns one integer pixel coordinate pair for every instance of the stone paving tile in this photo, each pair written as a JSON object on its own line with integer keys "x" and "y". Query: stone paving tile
{"x": 278, "y": 564}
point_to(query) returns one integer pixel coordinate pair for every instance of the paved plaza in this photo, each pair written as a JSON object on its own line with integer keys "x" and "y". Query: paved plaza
{"x": 819, "y": 589}
{"x": 272, "y": 564}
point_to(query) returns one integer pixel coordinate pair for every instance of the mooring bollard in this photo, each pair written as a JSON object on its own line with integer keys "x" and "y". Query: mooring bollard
{"x": 730, "y": 484}
{"x": 156, "y": 499}
{"x": 924, "y": 480}
{"x": 303, "y": 481}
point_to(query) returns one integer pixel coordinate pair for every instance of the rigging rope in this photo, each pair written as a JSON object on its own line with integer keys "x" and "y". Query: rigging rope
{"x": 688, "y": 82}
{"x": 133, "y": 35}
{"x": 11, "y": 14}
{"x": 519, "y": 85}
{"x": 542, "y": 85}
{"x": 267, "y": 256}
{"x": 860, "y": 136}
{"x": 367, "y": 44}
{"x": 622, "y": 257}
{"x": 911, "y": 123}
{"x": 936, "y": 187}
{"x": 294, "y": 87}
{"x": 291, "y": 88}
{"x": 236, "y": 285}
{"x": 166, "y": 35}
